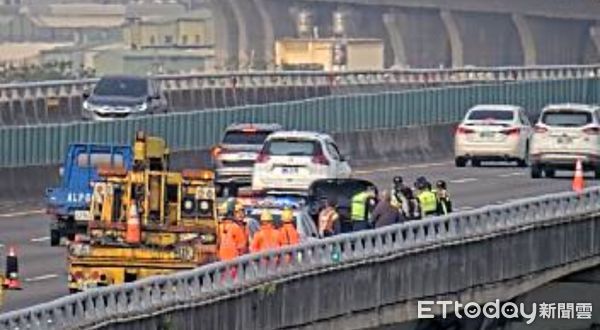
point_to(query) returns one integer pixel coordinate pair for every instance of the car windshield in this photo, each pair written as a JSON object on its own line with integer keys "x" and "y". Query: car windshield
{"x": 497, "y": 115}
{"x": 94, "y": 160}
{"x": 246, "y": 137}
{"x": 567, "y": 118}
{"x": 129, "y": 87}
{"x": 290, "y": 147}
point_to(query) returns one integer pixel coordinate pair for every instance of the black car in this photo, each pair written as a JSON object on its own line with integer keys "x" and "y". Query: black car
{"x": 340, "y": 193}
{"x": 123, "y": 96}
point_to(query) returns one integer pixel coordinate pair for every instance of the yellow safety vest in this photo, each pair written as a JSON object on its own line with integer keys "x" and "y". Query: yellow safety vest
{"x": 428, "y": 201}
{"x": 359, "y": 201}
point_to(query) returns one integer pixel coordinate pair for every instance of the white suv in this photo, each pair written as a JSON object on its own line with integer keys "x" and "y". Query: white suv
{"x": 563, "y": 134}
{"x": 292, "y": 160}
{"x": 493, "y": 132}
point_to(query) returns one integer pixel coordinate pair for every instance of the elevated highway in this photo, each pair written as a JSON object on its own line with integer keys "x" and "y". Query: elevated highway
{"x": 499, "y": 252}
{"x": 428, "y": 33}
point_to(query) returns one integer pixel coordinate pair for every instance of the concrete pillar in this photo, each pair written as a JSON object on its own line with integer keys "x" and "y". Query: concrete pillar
{"x": 526, "y": 39}
{"x": 456, "y": 44}
{"x": 595, "y": 36}
{"x": 226, "y": 35}
{"x": 390, "y": 21}
{"x": 251, "y": 34}
{"x": 269, "y": 34}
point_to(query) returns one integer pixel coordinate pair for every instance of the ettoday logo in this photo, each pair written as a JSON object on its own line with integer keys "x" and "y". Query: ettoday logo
{"x": 473, "y": 310}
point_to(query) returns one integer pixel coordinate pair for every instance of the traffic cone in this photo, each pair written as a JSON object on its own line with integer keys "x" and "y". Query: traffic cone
{"x": 578, "y": 182}
{"x": 11, "y": 281}
{"x": 133, "y": 234}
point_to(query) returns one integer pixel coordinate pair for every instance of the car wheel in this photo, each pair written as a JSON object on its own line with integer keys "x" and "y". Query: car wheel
{"x": 460, "y": 162}
{"x": 54, "y": 237}
{"x": 536, "y": 172}
{"x": 475, "y": 162}
{"x": 523, "y": 162}
{"x": 550, "y": 172}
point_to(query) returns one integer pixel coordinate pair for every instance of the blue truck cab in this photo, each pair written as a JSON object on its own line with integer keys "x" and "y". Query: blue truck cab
{"x": 69, "y": 203}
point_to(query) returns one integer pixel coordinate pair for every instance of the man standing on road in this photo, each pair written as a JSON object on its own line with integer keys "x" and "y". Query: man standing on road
{"x": 385, "y": 214}
{"x": 288, "y": 235}
{"x": 329, "y": 220}
{"x": 267, "y": 237}
{"x": 359, "y": 214}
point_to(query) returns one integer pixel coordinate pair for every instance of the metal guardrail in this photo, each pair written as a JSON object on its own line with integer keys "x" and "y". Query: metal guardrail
{"x": 60, "y": 101}
{"x": 99, "y": 307}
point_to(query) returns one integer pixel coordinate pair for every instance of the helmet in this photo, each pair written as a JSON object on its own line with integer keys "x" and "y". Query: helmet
{"x": 398, "y": 180}
{"x": 226, "y": 208}
{"x": 266, "y": 216}
{"x": 287, "y": 215}
{"x": 421, "y": 183}
{"x": 441, "y": 184}
{"x": 238, "y": 207}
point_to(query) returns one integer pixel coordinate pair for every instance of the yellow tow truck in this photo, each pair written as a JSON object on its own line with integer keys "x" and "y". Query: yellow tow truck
{"x": 146, "y": 221}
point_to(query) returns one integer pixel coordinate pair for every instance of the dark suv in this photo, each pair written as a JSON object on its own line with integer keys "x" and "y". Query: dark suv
{"x": 234, "y": 157}
{"x": 123, "y": 96}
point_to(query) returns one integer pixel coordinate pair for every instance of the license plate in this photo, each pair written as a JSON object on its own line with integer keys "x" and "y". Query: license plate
{"x": 289, "y": 170}
{"x": 486, "y": 135}
{"x": 247, "y": 156}
{"x": 564, "y": 140}
{"x": 83, "y": 216}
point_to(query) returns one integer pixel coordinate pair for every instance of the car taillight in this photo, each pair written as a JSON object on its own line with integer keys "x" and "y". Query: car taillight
{"x": 216, "y": 151}
{"x": 464, "y": 130}
{"x": 511, "y": 131}
{"x": 595, "y": 130}
{"x": 262, "y": 158}
{"x": 320, "y": 159}
{"x": 540, "y": 129}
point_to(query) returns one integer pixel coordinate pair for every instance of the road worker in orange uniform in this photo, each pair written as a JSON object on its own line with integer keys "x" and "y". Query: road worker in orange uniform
{"x": 232, "y": 237}
{"x": 267, "y": 237}
{"x": 288, "y": 235}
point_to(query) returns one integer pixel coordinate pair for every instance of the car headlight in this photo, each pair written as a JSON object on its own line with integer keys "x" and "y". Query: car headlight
{"x": 204, "y": 206}
{"x": 141, "y": 107}
{"x": 188, "y": 205}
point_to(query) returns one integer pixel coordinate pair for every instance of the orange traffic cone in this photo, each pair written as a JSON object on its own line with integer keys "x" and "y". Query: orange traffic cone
{"x": 578, "y": 182}
{"x": 133, "y": 234}
{"x": 11, "y": 281}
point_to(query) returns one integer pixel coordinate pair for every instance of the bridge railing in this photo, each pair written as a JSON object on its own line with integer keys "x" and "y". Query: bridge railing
{"x": 113, "y": 304}
{"x": 60, "y": 101}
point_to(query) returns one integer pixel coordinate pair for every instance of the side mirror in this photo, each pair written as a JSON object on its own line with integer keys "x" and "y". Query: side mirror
{"x": 85, "y": 95}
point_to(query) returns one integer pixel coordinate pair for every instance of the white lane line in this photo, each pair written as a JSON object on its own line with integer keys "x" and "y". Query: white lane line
{"x": 465, "y": 208}
{"x": 463, "y": 180}
{"x": 22, "y": 213}
{"x": 508, "y": 175}
{"x": 41, "y": 239}
{"x": 41, "y": 278}
{"x": 400, "y": 168}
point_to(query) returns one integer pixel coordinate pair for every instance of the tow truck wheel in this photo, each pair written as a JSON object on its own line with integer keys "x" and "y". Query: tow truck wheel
{"x": 54, "y": 237}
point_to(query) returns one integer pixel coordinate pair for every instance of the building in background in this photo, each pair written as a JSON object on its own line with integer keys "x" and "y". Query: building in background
{"x": 332, "y": 54}
{"x": 165, "y": 44}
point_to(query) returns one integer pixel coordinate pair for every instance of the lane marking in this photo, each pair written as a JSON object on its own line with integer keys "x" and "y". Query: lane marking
{"x": 464, "y": 180}
{"x": 399, "y": 168}
{"x": 507, "y": 175}
{"x": 22, "y": 213}
{"x": 41, "y": 239}
{"x": 41, "y": 278}
{"x": 465, "y": 208}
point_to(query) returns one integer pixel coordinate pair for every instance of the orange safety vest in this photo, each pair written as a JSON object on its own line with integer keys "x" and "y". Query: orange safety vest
{"x": 288, "y": 235}
{"x": 327, "y": 218}
{"x": 232, "y": 241}
{"x": 267, "y": 238}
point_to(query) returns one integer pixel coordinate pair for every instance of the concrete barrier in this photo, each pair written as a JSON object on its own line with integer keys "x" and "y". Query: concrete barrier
{"x": 403, "y": 145}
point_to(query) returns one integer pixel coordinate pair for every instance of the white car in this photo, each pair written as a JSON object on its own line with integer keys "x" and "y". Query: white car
{"x": 292, "y": 160}
{"x": 493, "y": 132}
{"x": 563, "y": 134}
